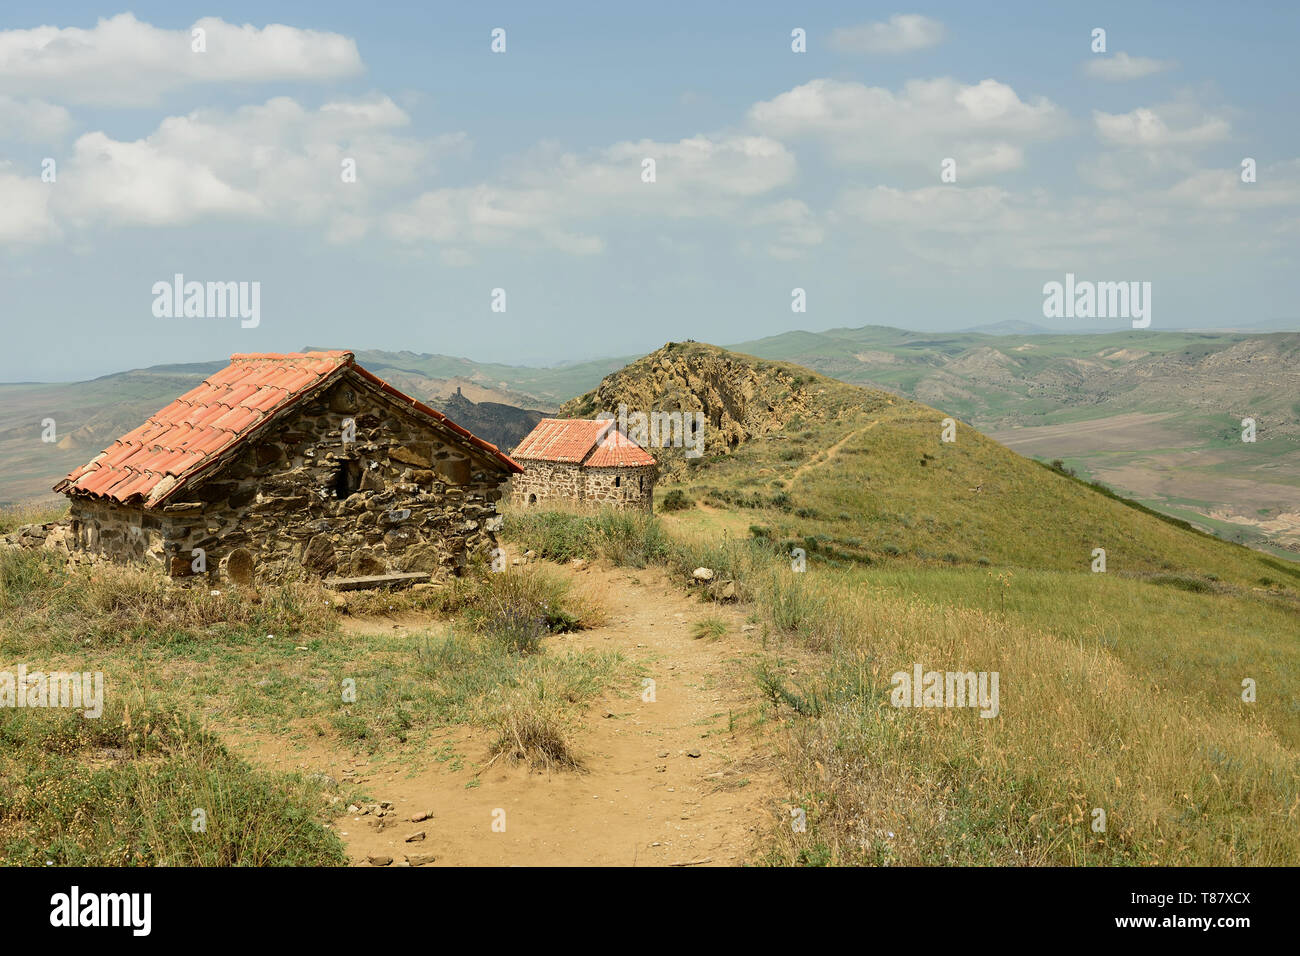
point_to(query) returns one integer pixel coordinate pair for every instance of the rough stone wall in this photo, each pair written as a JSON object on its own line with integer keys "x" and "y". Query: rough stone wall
{"x": 107, "y": 531}
{"x": 625, "y": 487}
{"x": 296, "y": 501}
{"x": 546, "y": 481}
{"x": 557, "y": 481}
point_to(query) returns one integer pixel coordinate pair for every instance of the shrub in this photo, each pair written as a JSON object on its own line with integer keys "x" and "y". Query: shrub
{"x": 675, "y": 500}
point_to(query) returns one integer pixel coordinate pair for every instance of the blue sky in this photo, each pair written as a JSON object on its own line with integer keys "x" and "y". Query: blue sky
{"x": 774, "y": 170}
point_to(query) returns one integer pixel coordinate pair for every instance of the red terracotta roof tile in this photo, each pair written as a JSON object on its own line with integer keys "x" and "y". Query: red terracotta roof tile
{"x": 593, "y": 443}
{"x": 180, "y": 441}
{"x": 616, "y": 450}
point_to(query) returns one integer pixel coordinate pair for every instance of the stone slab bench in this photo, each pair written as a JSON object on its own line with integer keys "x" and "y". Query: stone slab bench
{"x": 397, "y": 579}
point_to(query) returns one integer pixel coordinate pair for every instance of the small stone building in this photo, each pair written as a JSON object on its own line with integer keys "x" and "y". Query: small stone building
{"x": 575, "y": 459}
{"x": 294, "y": 465}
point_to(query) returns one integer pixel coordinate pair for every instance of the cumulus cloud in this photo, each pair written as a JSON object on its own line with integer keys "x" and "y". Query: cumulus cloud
{"x": 1121, "y": 66}
{"x": 32, "y": 121}
{"x": 902, "y": 33}
{"x": 964, "y": 228}
{"x": 553, "y": 197}
{"x": 276, "y": 160}
{"x": 25, "y": 201}
{"x": 1276, "y": 185}
{"x": 122, "y": 61}
{"x": 1151, "y": 129}
{"x": 789, "y": 227}
{"x": 982, "y": 125}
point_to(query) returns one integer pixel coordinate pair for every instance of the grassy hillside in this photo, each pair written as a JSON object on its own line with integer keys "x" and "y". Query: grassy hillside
{"x": 1157, "y": 414}
{"x": 856, "y": 475}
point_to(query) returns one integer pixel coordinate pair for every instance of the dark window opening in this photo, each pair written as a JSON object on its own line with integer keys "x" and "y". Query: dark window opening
{"x": 347, "y": 479}
{"x": 618, "y": 481}
{"x": 640, "y": 484}
{"x": 532, "y": 499}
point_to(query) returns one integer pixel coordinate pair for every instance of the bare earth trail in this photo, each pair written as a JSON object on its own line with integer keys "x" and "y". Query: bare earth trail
{"x": 642, "y": 799}
{"x": 826, "y": 457}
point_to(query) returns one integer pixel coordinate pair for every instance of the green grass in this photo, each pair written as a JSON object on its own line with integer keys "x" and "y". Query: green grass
{"x": 123, "y": 790}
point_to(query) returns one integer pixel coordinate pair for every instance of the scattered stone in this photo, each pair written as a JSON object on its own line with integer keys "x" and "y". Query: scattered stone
{"x": 380, "y": 860}
{"x": 415, "y": 837}
{"x": 578, "y": 564}
{"x": 420, "y": 859}
{"x": 702, "y": 574}
{"x": 692, "y": 753}
{"x": 728, "y": 591}
{"x": 421, "y": 816}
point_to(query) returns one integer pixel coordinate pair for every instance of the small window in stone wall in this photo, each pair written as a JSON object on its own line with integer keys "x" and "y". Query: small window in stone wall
{"x": 347, "y": 479}
{"x": 618, "y": 481}
{"x": 640, "y": 485}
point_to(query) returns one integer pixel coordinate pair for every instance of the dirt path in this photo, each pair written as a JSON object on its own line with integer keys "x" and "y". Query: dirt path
{"x": 826, "y": 457}
{"x": 673, "y": 782}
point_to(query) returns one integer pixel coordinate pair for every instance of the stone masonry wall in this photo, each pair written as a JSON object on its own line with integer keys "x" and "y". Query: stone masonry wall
{"x": 546, "y": 480}
{"x": 108, "y": 531}
{"x": 555, "y": 481}
{"x": 625, "y": 487}
{"x": 404, "y": 496}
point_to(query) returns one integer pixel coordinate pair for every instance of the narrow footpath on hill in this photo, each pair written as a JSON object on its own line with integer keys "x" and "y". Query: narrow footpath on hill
{"x": 829, "y": 454}
{"x": 685, "y": 780}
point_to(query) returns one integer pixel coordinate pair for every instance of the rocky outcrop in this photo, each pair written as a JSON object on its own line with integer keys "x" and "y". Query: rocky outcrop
{"x": 741, "y": 396}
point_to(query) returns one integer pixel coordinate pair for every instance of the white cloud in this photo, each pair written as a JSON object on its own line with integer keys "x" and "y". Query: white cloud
{"x": 275, "y": 160}
{"x": 550, "y": 193}
{"x": 25, "y": 203}
{"x": 976, "y": 228}
{"x": 980, "y": 125}
{"x": 1121, "y": 66}
{"x": 794, "y": 228}
{"x": 140, "y": 183}
{"x": 903, "y": 33}
{"x": 122, "y": 61}
{"x": 940, "y": 208}
{"x": 1148, "y": 129}
{"x": 1276, "y": 185}
{"x": 32, "y": 121}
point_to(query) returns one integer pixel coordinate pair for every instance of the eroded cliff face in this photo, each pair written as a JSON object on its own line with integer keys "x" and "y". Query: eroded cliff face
{"x": 740, "y": 396}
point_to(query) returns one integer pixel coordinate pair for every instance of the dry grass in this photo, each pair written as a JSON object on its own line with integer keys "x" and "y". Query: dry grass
{"x": 1078, "y": 730}
{"x": 529, "y": 732}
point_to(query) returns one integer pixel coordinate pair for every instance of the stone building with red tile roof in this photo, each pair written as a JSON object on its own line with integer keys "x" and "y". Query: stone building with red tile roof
{"x": 291, "y": 465}
{"x": 582, "y": 460}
